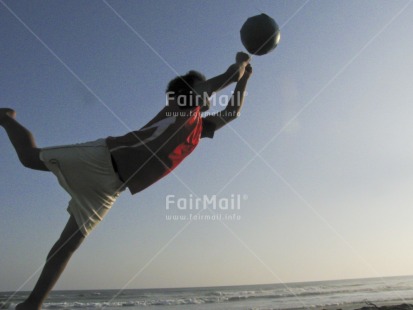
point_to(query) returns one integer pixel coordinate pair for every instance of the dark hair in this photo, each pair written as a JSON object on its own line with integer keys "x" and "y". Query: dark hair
{"x": 183, "y": 86}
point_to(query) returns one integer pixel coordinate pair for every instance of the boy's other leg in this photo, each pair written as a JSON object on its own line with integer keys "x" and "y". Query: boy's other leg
{"x": 57, "y": 259}
{"x": 22, "y": 140}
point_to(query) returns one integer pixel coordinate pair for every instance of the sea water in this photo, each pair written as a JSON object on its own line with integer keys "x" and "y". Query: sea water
{"x": 308, "y": 295}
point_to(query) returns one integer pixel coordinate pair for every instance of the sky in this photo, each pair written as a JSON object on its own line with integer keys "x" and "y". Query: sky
{"x": 321, "y": 157}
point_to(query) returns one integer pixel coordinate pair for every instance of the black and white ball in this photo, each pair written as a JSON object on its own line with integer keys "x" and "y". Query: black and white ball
{"x": 260, "y": 34}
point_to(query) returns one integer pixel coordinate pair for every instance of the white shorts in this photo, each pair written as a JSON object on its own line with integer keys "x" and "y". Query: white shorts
{"x": 86, "y": 172}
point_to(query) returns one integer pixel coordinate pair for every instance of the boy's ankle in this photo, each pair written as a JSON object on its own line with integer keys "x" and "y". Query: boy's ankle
{"x": 27, "y": 306}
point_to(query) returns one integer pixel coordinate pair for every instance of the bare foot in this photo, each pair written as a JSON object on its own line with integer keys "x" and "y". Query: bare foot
{"x": 24, "y": 306}
{"x": 5, "y": 114}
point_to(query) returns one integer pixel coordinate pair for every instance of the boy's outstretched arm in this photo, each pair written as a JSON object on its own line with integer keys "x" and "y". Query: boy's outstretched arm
{"x": 233, "y": 74}
{"x": 234, "y": 105}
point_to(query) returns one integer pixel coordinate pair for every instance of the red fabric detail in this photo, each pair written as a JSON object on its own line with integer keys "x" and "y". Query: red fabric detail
{"x": 192, "y": 140}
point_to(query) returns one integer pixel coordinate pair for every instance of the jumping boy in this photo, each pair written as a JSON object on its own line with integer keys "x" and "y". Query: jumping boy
{"x": 95, "y": 173}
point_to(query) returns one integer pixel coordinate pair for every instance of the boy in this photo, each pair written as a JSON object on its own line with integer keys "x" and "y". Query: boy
{"x": 95, "y": 173}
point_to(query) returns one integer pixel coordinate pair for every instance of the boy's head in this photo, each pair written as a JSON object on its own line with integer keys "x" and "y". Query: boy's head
{"x": 181, "y": 89}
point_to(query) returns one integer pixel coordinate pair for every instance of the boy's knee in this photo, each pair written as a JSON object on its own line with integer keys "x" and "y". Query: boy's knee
{"x": 26, "y": 161}
{"x": 31, "y": 159}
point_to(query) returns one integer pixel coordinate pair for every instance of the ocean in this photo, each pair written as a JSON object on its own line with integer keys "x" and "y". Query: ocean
{"x": 343, "y": 294}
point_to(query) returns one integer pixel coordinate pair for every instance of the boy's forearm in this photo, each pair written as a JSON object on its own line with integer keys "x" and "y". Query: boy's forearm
{"x": 216, "y": 83}
{"x": 237, "y": 99}
{"x": 234, "y": 105}
{"x": 233, "y": 108}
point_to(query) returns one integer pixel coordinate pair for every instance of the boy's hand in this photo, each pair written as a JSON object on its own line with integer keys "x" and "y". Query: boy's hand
{"x": 242, "y": 57}
{"x": 237, "y": 69}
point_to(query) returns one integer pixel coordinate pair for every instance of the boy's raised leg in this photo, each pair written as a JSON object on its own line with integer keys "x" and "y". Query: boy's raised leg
{"x": 57, "y": 259}
{"x": 22, "y": 140}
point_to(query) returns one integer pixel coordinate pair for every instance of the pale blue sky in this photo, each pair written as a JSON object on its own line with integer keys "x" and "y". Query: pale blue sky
{"x": 329, "y": 113}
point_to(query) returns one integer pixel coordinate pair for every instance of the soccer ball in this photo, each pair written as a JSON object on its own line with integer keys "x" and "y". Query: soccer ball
{"x": 260, "y": 34}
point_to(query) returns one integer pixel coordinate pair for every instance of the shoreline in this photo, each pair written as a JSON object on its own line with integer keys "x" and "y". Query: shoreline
{"x": 381, "y": 305}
